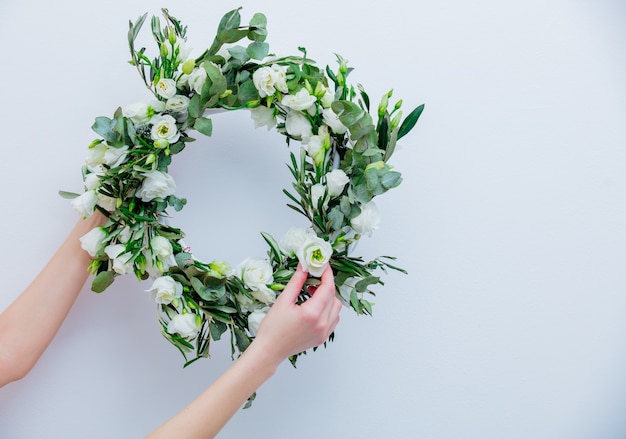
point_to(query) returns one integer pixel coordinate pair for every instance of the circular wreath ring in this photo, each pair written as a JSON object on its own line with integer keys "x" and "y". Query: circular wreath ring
{"x": 341, "y": 165}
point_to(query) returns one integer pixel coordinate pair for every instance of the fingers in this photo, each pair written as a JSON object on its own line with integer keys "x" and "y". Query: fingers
{"x": 294, "y": 286}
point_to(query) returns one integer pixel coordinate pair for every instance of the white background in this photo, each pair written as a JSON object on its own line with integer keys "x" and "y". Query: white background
{"x": 511, "y": 221}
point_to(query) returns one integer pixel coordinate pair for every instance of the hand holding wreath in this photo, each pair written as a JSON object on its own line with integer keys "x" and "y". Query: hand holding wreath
{"x": 338, "y": 169}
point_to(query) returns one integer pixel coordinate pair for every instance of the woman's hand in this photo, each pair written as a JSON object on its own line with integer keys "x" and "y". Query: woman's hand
{"x": 290, "y": 328}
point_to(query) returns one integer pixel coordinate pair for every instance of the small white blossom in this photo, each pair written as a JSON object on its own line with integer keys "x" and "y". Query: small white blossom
{"x": 164, "y": 128}
{"x": 367, "y": 221}
{"x": 166, "y": 88}
{"x": 186, "y": 325}
{"x": 156, "y": 184}
{"x": 141, "y": 112}
{"x": 122, "y": 263}
{"x": 297, "y": 125}
{"x": 336, "y": 181}
{"x": 164, "y": 289}
{"x": 93, "y": 241}
{"x": 263, "y": 116}
{"x": 301, "y": 101}
{"x": 332, "y": 120}
{"x": 85, "y": 203}
{"x": 314, "y": 255}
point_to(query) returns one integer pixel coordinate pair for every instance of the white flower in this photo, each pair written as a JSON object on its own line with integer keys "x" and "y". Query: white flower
{"x": 164, "y": 289}
{"x": 122, "y": 263}
{"x": 317, "y": 192}
{"x": 255, "y": 318}
{"x": 156, "y": 185}
{"x": 197, "y": 78}
{"x": 85, "y": 203}
{"x": 186, "y": 325}
{"x": 107, "y": 203}
{"x": 367, "y": 221}
{"x": 301, "y": 101}
{"x": 314, "y": 255}
{"x": 141, "y": 112}
{"x": 317, "y": 145}
{"x": 177, "y": 104}
{"x": 178, "y": 48}
{"x": 92, "y": 181}
{"x": 164, "y": 128}
{"x": 263, "y": 79}
{"x": 297, "y": 125}
{"x": 151, "y": 268}
{"x": 166, "y": 88}
{"x": 327, "y": 98}
{"x": 162, "y": 249}
{"x": 256, "y": 274}
{"x": 332, "y": 120}
{"x": 93, "y": 240}
{"x": 263, "y": 116}
{"x": 269, "y": 79}
{"x": 336, "y": 181}
{"x": 113, "y": 157}
{"x": 280, "y": 78}
{"x": 295, "y": 238}
{"x": 124, "y": 235}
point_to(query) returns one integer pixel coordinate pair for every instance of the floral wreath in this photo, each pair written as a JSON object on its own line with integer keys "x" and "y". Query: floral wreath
{"x": 342, "y": 164}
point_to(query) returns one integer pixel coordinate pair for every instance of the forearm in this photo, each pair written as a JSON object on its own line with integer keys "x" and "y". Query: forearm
{"x": 30, "y": 323}
{"x": 210, "y": 411}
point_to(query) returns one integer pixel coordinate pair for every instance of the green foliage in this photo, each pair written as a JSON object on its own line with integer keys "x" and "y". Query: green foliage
{"x": 131, "y": 147}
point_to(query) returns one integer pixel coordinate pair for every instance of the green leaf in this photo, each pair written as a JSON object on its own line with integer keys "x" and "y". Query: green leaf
{"x": 258, "y": 50}
{"x": 102, "y": 281}
{"x": 231, "y": 36}
{"x": 409, "y": 122}
{"x": 68, "y": 195}
{"x": 243, "y": 341}
{"x": 275, "y": 251}
{"x": 204, "y": 126}
{"x": 195, "y": 106}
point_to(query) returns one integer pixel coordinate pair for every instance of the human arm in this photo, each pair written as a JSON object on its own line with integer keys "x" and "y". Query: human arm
{"x": 287, "y": 329}
{"x": 30, "y": 323}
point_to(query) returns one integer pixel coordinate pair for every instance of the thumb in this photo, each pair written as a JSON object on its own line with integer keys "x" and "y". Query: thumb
{"x": 294, "y": 286}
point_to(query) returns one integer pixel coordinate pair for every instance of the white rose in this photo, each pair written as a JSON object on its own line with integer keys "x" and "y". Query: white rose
{"x": 186, "y": 325}
{"x": 280, "y": 78}
{"x": 141, "y": 112}
{"x": 177, "y": 104}
{"x": 124, "y": 235}
{"x": 164, "y": 289}
{"x": 264, "y": 294}
{"x": 151, "y": 268}
{"x": 318, "y": 191}
{"x": 263, "y": 116}
{"x": 107, "y": 203}
{"x": 114, "y": 157}
{"x": 85, "y": 203}
{"x": 314, "y": 255}
{"x": 336, "y": 181}
{"x": 197, "y": 78}
{"x": 122, "y": 263}
{"x": 301, "y": 101}
{"x": 256, "y": 274}
{"x": 295, "y": 238}
{"x": 254, "y": 320}
{"x": 156, "y": 185}
{"x": 367, "y": 221}
{"x": 93, "y": 240}
{"x": 164, "y": 128}
{"x": 92, "y": 181}
{"x": 297, "y": 125}
{"x": 166, "y": 88}
{"x": 332, "y": 120}
{"x": 263, "y": 79}
{"x": 162, "y": 249}
{"x": 96, "y": 155}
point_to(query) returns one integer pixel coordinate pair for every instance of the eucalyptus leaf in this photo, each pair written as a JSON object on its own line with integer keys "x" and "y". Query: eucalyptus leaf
{"x": 204, "y": 126}
{"x": 102, "y": 281}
